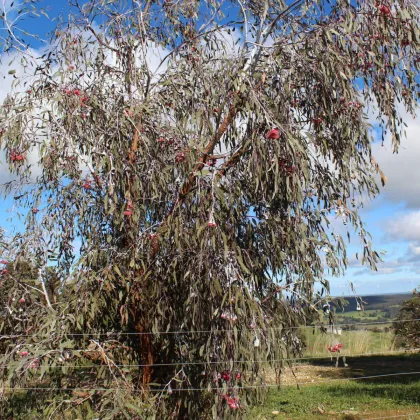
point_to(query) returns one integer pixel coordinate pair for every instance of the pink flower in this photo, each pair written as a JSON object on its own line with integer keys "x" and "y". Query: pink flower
{"x": 3, "y": 262}
{"x": 384, "y": 10}
{"x": 273, "y": 134}
{"x": 14, "y": 157}
{"x": 233, "y": 402}
{"x": 34, "y": 364}
{"x": 23, "y": 353}
{"x": 180, "y": 157}
{"x": 226, "y": 376}
{"x": 127, "y": 213}
{"x": 22, "y": 300}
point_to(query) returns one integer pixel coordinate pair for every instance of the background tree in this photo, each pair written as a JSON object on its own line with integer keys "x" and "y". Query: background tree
{"x": 406, "y": 327}
{"x": 200, "y": 190}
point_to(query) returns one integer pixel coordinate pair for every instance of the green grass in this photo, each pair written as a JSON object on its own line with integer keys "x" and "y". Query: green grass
{"x": 383, "y": 396}
{"x": 363, "y": 316}
{"x": 325, "y": 400}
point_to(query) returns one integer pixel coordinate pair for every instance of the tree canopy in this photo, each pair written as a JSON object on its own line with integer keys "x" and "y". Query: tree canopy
{"x": 181, "y": 163}
{"x": 406, "y": 327}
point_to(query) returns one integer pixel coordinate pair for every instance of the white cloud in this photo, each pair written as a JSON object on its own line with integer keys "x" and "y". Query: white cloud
{"x": 402, "y": 168}
{"x": 413, "y": 251}
{"x": 380, "y": 271}
{"x": 403, "y": 227}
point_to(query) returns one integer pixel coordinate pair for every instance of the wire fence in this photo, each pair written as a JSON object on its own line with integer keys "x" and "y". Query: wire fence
{"x": 204, "y": 389}
{"x": 111, "y": 333}
{"x": 218, "y": 362}
{"x": 225, "y": 389}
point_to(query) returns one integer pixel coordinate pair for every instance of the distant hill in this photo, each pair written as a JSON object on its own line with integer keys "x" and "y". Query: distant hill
{"x": 376, "y": 308}
{"x": 374, "y": 302}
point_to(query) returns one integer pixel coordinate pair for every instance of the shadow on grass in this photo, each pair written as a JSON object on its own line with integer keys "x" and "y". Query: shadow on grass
{"x": 403, "y": 388}
{"x": 401, "y": 393}
{"x": 371, "y": 365}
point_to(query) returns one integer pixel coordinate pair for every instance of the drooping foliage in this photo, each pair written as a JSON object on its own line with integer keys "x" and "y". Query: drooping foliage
{"x": 407, "y": 325}
{"x": 181, "y": 163}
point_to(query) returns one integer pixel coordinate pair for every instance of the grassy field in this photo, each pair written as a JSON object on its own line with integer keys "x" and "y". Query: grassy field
{"x": 354, "y": 342}
{"x": 330, "y": 398}
{"x": 368, "y": 315}
{"x": 370, "y": 329}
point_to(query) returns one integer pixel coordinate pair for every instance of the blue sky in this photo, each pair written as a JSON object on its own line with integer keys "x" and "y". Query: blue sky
{"x": 394, "y": 222}
{"x": 393, "y": 219}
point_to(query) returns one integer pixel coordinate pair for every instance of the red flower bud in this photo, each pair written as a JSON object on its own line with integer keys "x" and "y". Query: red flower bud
{"x": 211, "y": 223}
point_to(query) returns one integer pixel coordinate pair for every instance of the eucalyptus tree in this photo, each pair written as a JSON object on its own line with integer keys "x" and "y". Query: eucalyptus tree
{"x": 180, "y": 163}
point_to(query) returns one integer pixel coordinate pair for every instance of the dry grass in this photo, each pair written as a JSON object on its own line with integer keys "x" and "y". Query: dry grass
{"x": 354, "y": 342}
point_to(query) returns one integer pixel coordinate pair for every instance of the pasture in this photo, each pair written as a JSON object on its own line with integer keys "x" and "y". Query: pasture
{"x": 327, "y": 392}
